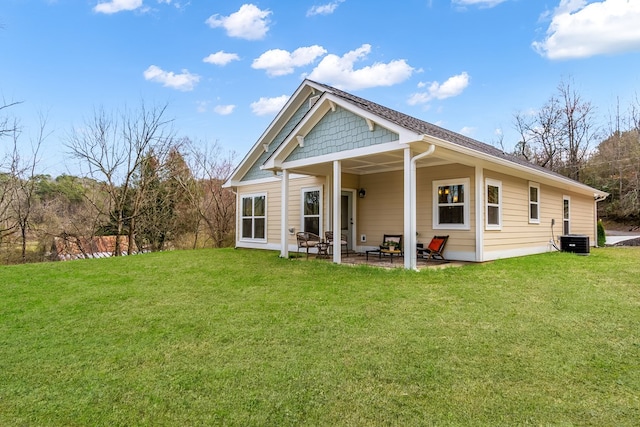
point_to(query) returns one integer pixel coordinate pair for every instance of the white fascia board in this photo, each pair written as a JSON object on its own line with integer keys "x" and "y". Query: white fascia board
{"x": 520, "y": 170}
{"x": 348, "y": 154}
{"x": 275, "y": 178}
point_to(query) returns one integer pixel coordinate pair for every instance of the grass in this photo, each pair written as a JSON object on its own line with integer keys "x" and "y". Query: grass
{"x": 239, "y": 337}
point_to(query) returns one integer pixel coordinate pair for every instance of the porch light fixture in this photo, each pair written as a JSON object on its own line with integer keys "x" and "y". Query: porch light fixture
{"x": 362, "y": 193}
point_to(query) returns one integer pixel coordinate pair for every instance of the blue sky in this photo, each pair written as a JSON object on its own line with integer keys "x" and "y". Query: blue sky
{"x": 226, "y": 67}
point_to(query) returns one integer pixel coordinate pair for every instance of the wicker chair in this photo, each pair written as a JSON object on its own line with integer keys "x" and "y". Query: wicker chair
{"x": 344, "y": 243}
{"x": 307, "y": 241}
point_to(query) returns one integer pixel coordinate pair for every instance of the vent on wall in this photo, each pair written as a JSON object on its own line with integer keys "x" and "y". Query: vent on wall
{"x": 575, "y": 243}
{"x": 313, "y": 100}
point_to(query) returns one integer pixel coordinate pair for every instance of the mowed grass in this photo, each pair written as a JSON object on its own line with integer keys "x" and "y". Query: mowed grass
{"x": 244, "y": 338}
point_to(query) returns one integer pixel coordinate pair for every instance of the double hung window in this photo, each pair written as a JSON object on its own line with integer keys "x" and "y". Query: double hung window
{"x": 451, "y": 204}
{"x": 534, "y": 203}
{"x": 311, "y": 210}
{"x": 494, "y": 204}
{"x": 254, "y": 217}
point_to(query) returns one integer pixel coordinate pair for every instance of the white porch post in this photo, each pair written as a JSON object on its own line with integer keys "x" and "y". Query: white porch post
{"x": 412, "y": 239}
{"x": 410, "y": 259}
{"x": 284, "y": 215}
{"x": 480, "y": 213}
{"x": 337, "y": 186}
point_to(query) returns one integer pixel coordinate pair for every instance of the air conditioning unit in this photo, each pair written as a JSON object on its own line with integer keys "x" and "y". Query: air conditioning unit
{"x": 576, "y": 243}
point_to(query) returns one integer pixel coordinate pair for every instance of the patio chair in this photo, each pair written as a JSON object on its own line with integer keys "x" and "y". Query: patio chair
{"x": 434, "y": 249}
{"x": 384, "y": 248}
{"x": 328, "y": 237}
{"x": 307, "y": 240}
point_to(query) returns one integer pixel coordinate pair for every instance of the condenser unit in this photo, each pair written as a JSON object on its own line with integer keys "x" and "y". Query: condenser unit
{"x": 575, "y": 243}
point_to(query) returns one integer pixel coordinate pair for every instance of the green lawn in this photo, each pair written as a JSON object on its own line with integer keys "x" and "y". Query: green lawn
{"x": 243, "y": 338}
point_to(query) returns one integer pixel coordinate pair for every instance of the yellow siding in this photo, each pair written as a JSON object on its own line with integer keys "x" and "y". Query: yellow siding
{"x": 381, "y": 211}
{"x": 520, "y": 236}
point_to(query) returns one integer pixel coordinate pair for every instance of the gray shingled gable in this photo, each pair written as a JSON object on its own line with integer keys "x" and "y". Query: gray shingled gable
{"x": 419, "y": 126}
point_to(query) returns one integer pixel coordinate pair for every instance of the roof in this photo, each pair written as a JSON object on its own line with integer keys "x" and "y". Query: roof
{"x": 422, "y": 127}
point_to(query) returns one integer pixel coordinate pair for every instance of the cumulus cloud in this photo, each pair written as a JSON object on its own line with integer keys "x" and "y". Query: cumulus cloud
{"x": 265, "y": 106}
{"x": 221, "y": 58}
{"x": 339, "y": 71}
{"x": 324, "y": 9}
{"x": 278, "y": 62}
{"x": 115, "y": 6}
{"x": 581, "y": 30}
{"x": 224, "y": 110}
{"x": 184, "y": 81}
{"x": 249, "y": 22}
{"x": 481, "y": 3}
{"x": 452, "y": 87}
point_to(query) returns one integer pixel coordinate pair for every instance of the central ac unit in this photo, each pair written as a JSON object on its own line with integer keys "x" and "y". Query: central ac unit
{"x": 575, "y": 243}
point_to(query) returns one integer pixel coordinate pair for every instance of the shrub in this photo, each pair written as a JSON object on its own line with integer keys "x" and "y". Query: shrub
{"x": 602, "y": 238}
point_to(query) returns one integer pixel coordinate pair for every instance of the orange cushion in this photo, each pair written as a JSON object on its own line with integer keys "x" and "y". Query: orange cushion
{"x": 435, "y": 244}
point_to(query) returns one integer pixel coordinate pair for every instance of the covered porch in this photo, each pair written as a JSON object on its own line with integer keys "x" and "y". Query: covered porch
{"x": 373, "y": 191}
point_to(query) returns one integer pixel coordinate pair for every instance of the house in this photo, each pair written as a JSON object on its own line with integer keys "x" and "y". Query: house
{"x": 333, "y": 161}
{"x": 68, "y": 247}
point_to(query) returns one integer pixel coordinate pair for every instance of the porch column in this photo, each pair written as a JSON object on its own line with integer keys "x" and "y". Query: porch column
{"x": 337, "y": 187}
{"x": 480, "y": 213}
{"x": 412, "y": 238}
{"x": 409, "y": 249}
{"x": 284, "y": 215}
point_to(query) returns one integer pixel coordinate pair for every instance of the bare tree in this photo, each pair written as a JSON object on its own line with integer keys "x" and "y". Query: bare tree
{"x": 113, "y": 149}
{"x": 560, "y": 133}
{"x": 578, "y": 128}
{"x": 23, "y": 172}
{"x": 214, "y": 204}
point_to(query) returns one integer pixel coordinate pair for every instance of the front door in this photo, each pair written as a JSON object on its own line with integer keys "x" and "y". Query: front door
{"x": 346, "y": 217}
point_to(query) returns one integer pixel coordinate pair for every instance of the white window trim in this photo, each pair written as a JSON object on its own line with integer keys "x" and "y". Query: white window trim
{"x": 321, "y": 207}
{"x": 529, "y": 202}
{"x": 567, "y": 220}
{"x": 466, "y": 183}
{"x": 253, "y": 196}
{"x": 493, "y": 183}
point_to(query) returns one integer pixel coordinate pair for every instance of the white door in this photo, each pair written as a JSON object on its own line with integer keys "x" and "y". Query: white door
{"x": 346, "y": 217}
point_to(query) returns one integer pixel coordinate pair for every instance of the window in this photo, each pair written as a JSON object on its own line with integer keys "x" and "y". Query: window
{"x": 254, "y": 217}
{"x": 311, "y": 210}
{"x": 566, "y": 215}
{"x": 451, "y": 204}
{"x": 534, "y": 203}
{"x": 494, "y": 204}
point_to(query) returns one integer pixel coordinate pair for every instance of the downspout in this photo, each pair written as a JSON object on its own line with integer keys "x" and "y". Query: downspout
{"x": 412, "y": 240}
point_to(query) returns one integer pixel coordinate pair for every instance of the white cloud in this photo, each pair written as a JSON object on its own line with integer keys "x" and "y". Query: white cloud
{"x": 265, "y": 106}
{"x": 184, "y": 81}
{"x": 452, "y": 87}
{"x": 249, "y": 22}
{"x": 115, "y": 6}
{"x": 221, "y": 58}
{"x": 467, "y": 131}
{"x": 278, "y": 62}
{"x": 324, "y": 9}
{"x": 339, "y": 71}
{"x": 581, "y": 30}
{"x": 481, "y": 3}
{"x": 224, "y": 110}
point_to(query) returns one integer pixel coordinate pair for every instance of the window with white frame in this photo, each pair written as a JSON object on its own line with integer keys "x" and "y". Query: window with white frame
{"x": 254, "y": 217}
{"x": 534, "y": 203}
{"x": 566, "y": 215}
{"x": 451, "y": 204}
{"x": 312, "y": 210}
{"x": 494, "y": 204}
